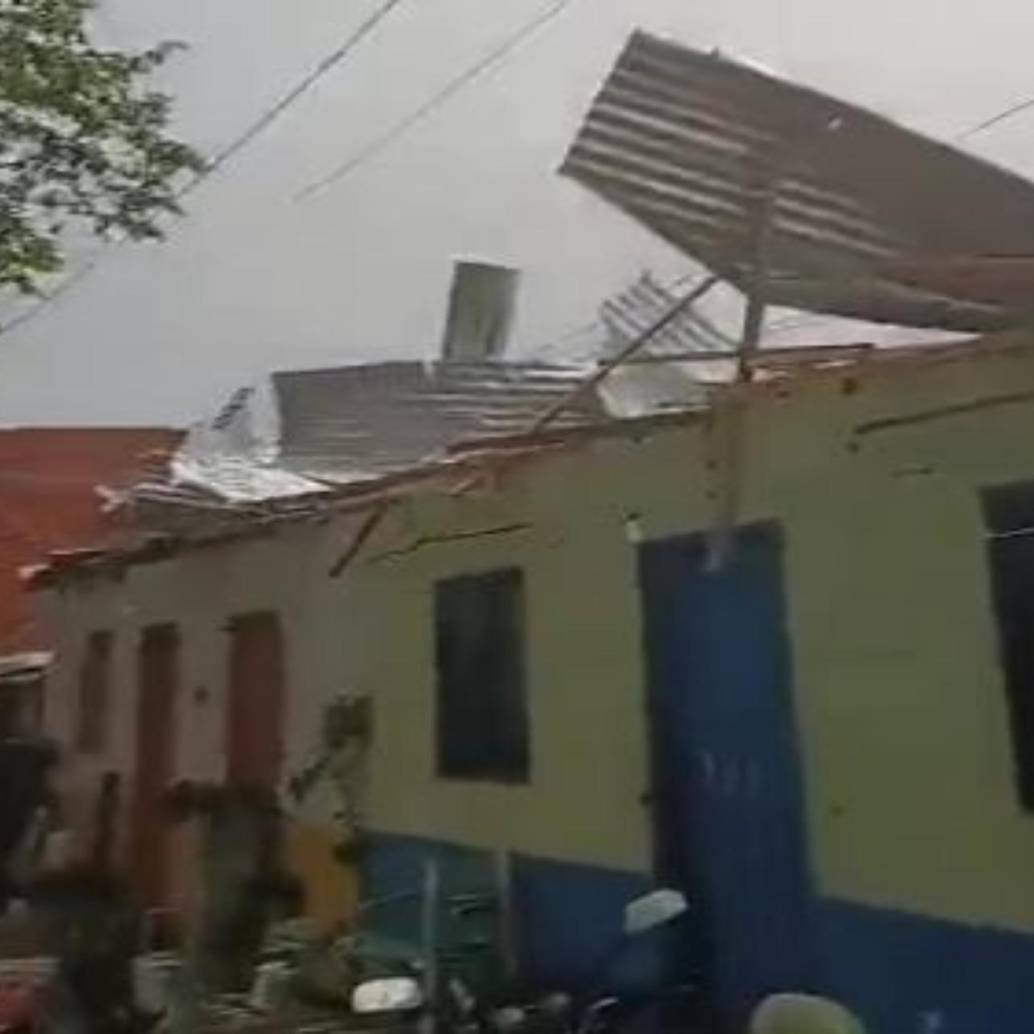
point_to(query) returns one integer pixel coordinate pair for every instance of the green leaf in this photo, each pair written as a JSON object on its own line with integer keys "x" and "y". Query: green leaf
{"x": 82, "y": 139}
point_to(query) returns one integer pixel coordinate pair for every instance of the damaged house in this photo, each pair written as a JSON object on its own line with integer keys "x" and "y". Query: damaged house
{"x": 765, "y": 640}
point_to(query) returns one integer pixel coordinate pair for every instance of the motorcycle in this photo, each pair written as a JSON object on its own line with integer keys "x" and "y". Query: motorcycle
{"x": 605, "y": 1010}
{"x": 402, "y": 998}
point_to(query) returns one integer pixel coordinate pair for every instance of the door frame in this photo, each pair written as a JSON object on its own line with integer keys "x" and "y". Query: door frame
{"x": 254, "y": 742}
{"x": 155, "y": 745}
{"x": 673, "y": 860}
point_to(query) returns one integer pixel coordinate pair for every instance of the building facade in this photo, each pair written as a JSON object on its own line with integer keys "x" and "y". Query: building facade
{"x": 767, "y": 651}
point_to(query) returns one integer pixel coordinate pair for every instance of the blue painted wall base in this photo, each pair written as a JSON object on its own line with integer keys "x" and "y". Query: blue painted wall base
{"x": 901, "y": 973}
{"x": 909, "y": 974}
{"x": 569, "y": 916}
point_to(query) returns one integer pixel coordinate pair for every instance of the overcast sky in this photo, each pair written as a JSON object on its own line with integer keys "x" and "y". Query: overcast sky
{"x": 253, "y": 280}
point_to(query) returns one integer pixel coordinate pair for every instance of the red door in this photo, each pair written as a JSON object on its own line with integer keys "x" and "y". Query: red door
{"x": 255, "y": 705}
{"x": 157, "y": 688}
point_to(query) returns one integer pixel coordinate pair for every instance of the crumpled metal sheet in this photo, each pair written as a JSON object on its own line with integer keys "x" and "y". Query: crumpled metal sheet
{"x": 690, "y": 144}
{"x": 357, "y": 422}
{"x": 303, "y": 432}
{"x": 310, "y": 431}
{"x": 233, "y": 456}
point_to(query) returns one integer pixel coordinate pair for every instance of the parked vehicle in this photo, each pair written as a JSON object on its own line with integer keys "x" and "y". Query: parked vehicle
{"x": 610, "y": 1007}
{"x": 456, "y": 1009}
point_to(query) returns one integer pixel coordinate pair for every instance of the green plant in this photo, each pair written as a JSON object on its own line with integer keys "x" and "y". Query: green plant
{"x": 82, "y": 139}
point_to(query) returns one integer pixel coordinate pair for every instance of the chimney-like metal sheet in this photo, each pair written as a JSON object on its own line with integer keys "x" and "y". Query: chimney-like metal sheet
{"x": 481, "y": 308}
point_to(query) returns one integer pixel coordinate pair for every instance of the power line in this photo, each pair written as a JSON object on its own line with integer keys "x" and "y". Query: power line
{"x": 267, "y": 118}
{"x": 234, "y": 147}
{"x": 87, "y": 269}
{"x": 454, "y": 86}
{"x": 1002, "y": 116}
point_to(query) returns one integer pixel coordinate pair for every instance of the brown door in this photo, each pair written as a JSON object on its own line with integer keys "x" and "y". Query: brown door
{"x": 157, "y": 688}
{"x": 255, "y": 706}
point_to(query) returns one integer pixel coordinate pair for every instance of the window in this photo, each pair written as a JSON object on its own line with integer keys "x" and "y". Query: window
{"x": 94, "y": 692}
{"x": 482, "y": 711}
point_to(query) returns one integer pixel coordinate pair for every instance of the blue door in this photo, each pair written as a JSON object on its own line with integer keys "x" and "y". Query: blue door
{"x": 726, "y": 794}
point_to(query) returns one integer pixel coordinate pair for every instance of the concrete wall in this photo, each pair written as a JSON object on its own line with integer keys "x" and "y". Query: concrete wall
{"x": 901, "y": 707}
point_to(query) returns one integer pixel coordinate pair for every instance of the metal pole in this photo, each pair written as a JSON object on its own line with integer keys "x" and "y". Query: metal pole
{"x": 604, "y": 370}
{"x": 732, "y": 413}
{"x": 507, "y": 925}
{"x": 761, "y": 228}
{"x": 429, "y": 939}
{"x": 607, "y": 368}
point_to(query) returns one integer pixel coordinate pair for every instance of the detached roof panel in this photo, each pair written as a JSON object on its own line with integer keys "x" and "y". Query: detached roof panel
{"x": 689, "y": 144}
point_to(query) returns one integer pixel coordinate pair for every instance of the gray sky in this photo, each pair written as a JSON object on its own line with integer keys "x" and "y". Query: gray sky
{"x": 253, "y": 280}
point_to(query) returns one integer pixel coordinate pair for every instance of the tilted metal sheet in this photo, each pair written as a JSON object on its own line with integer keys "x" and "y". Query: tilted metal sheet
{"x": 693, "y": 146}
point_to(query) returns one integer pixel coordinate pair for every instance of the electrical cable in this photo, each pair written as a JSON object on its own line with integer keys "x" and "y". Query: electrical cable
{"x": 994, "y": 120}
{"x": 267, "y": 118}
{"x": 437, "y": 100}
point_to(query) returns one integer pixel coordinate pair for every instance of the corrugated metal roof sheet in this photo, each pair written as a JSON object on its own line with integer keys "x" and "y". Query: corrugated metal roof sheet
{"x": 689, "y": 144}
{"x": 996, "y": 279}
{"x": 355, "y": 422}
{"x": 634, "y": 310}
{"x": 309, "y": 431}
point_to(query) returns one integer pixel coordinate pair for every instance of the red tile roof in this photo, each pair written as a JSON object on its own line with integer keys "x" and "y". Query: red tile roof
{"x": 49, "y": 500}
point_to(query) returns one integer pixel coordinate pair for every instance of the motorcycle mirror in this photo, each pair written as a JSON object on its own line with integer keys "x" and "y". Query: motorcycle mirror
{"x": 653, "y": 910}
{"x": 389, "y": 994}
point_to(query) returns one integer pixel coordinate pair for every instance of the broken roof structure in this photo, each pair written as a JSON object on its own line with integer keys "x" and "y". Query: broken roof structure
{"x": 306, "y": 432}
{"x": 311, "y": 431}
{"x": 795, "y": 198}
{"x": 187, "y": 518}
{"x": 800, "y": 198}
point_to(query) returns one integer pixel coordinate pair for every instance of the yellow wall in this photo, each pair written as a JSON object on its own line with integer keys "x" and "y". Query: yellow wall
{"x": 900, "y": 700}
{"x": 331, "y": 889}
